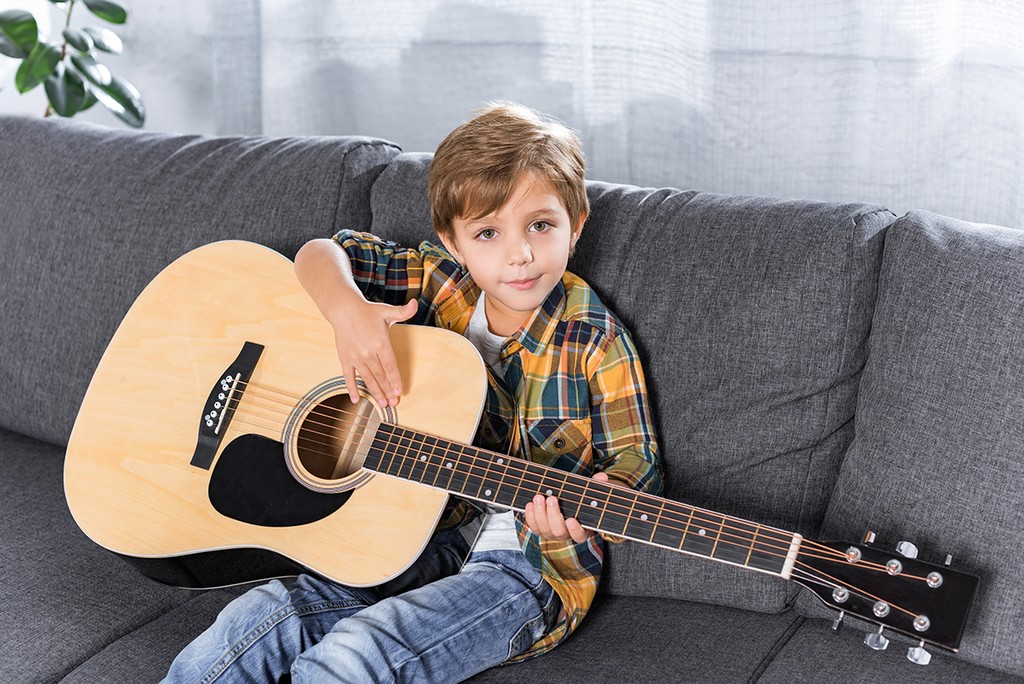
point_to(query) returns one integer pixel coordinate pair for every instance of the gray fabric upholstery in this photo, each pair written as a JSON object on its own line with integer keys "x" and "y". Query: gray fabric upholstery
{"x": 939, "y": 454}
{"x": 62, "y": 598}
{"x": 91, "y": 214}
{"x": 655, "y": 640}
{"x": 752, "y": 317}
{"x": 815, "y": 653}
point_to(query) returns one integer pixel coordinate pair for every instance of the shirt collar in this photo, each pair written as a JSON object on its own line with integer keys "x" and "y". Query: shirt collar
{"x": 534, "y": 336}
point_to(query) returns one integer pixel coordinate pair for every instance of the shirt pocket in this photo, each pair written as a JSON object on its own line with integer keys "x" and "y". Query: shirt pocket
{"x": 560, "y": 443}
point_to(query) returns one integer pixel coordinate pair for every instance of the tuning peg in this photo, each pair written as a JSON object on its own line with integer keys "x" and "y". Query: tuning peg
{"x": 837, "y": 624}
{"x": 869, "y": 537}
{"x": 949, "y": 559}
{"x": 876, "y": 641}
{"x": 906, "y": 549}
{"x": 919, "y": 656}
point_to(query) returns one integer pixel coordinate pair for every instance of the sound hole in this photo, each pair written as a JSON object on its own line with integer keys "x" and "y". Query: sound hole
{"x": 331, "y": 435}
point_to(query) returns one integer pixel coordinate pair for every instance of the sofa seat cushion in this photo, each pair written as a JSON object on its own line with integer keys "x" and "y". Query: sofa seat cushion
{"x": 92, "y": 214}
{"x": 633, "y": 639}
{"x": 62, "y": 597}
{"x": 752, "y": 316}
{"x": 817, "y": 654}
{"x": 938, "y": 457}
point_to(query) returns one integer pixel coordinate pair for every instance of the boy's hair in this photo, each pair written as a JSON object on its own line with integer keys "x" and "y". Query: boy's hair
{"x": 477, "y": 165}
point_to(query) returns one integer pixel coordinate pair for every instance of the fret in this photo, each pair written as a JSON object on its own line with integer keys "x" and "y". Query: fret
{"x": 472, "y": 472}
{"x": 642, "y": 521}
{"x": 699, "y": 535}
{"x": 447, "y": 477}
{"x": 769, "y": 551}
{"x": 736, "y": 541}
{"x": 671, "y": 532}
{"x": 614, "y": 515}
{"x": 431, "y": 446}
{"x": 406, "y": 457}
{"x": 420, "y": 464}
{"x": 504, "y": 492}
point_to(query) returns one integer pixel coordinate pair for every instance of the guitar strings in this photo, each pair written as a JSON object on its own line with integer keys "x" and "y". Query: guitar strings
{"x": 833, "y": 554}
{"x": 828, "y": 550}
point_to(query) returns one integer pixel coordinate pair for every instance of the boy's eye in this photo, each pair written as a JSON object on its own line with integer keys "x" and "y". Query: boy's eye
{"x": 541, "y": 226}
{"x": 487, "y": 234}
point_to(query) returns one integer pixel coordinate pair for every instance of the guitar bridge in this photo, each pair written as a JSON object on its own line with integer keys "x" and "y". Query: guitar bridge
{"x": 221, "y": 402}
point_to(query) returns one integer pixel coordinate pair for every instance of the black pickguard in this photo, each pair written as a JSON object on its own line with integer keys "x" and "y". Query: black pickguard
{"x": 251, "y": 483}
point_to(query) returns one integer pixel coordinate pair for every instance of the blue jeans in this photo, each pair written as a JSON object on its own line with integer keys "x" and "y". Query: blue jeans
{"x": 442, "y": 627}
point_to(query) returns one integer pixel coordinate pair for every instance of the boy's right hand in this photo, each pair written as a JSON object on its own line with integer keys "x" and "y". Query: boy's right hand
{"x": 364, "y": 347}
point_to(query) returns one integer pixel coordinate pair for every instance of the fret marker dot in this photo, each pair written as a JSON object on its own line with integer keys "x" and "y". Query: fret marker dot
{"x": 702, "y": 532}
{"x": 448, "y": 464}
{"x": 593, "y": 503}
{"x": 551, "y": 492}
{"x": 423, "y": 458}
{"x": 500, "y": 461}
{"x": 643, "y": 516}
{"x": 487, "y": 493}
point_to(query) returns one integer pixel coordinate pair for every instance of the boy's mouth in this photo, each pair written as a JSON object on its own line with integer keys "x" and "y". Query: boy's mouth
{"x": 522, "y": 284}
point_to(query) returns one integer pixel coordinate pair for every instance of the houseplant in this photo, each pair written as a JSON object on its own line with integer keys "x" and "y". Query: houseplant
{"x": 69, "y": 71}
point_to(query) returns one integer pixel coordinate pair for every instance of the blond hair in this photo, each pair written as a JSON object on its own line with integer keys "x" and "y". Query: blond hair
{"x": 478, "y": 164}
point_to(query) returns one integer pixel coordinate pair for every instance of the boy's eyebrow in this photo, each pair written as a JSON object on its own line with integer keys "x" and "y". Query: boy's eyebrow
{"x": 539, "y": 212}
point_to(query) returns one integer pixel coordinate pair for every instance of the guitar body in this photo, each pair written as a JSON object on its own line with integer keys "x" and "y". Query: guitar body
{"x": 154, "y": 470}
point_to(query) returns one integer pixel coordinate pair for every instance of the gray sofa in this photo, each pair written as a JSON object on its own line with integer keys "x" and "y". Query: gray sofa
{"x": 826, "y": 368}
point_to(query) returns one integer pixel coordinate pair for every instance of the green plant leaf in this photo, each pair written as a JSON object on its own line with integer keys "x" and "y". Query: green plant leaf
{"x": 18, "y": 33}
{"x": 110, "y": 11}
{"x": 37, "y": 67}
{"x": 94, "y": 71}
{"x": 79, "y": 40}
{"x": 66, "y": 91}
{"x": 105, "y": 39}
{"x": 90, "y": 99}
{"x": 123, "y": 100}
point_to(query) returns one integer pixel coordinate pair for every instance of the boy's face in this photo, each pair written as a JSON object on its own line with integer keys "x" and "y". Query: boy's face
{"x": 518, "y": 253}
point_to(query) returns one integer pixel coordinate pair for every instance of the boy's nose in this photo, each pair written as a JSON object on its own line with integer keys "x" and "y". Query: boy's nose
{"x": 520, "y": 254}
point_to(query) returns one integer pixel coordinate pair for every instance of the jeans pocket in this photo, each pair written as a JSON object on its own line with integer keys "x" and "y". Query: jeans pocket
{"x": 527, "y": 635}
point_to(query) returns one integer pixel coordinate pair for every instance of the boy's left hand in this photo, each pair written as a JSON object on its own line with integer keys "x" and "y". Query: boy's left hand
{"x": 545, "y": 518}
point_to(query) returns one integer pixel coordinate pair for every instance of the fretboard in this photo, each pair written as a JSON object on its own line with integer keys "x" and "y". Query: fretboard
{"x": 501, "y": 480}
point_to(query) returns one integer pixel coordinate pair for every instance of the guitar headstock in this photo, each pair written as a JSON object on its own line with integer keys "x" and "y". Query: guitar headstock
{"x": 925, "y": 601}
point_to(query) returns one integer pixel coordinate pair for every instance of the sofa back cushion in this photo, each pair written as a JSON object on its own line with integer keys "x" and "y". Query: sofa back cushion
{"x": 91, "y": 214}
{"x": 938, "y": 458}
{"x": 752, "y": 317}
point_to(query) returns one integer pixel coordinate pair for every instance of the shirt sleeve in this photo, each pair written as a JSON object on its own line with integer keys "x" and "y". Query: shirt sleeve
{"x": 625, "y": 446}
{"x": 386, "y": 272}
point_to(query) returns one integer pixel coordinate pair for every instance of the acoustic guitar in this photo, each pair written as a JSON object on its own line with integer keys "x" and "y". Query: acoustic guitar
{"x": 218, "y": 419}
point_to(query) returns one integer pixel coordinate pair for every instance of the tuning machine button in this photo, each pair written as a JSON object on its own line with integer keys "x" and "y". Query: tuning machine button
{"x": 869, "y": 537}
{"x": 919, "y": 656}
{"x": 837, "y": 624}
{"x": 876, "y": 641}
{"x": 906, "y": 549}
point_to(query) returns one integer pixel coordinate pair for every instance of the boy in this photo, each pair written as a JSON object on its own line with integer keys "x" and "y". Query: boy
{"x": 565, "y": 388}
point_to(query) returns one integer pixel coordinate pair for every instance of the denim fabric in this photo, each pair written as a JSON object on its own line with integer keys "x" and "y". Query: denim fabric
{"x": 443, "y": 627}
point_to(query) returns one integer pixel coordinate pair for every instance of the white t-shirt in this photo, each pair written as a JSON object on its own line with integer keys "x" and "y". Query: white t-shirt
{"x": 498, "y": 530}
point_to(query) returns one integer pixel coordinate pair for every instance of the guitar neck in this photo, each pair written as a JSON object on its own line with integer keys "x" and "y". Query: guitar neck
{"x": 498, "y": 479}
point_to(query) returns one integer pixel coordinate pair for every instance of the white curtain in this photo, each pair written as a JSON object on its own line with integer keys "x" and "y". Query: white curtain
{"x": 914, "y": 104}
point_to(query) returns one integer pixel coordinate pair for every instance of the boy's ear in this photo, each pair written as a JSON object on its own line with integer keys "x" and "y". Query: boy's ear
{"x": 579, "y": 228}
{"x": 449, "y": 243}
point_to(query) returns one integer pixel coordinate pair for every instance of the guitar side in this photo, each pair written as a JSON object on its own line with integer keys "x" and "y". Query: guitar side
{"x": 129, "y": 478}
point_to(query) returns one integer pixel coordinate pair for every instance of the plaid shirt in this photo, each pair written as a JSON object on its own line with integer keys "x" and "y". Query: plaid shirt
{"x": 572, "y": 395}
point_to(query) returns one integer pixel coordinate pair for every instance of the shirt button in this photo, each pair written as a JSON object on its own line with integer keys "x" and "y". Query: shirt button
{"x": 559, "y": 443}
